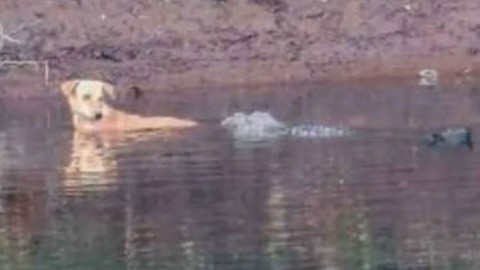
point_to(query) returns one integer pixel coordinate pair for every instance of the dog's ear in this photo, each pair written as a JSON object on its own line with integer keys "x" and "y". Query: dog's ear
{"x": 109, "y": 90}
{"x": 136, "y": 92}
{"x": 68, "y": 87}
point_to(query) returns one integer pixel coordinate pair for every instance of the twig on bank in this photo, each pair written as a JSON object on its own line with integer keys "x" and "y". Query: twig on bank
{"x": 1, "y": 36}
{"x": 19, "y": 63}
{"x": 36, "y": 64}
{"x": 6, "y": 37}
{"x": 23, "y": 26}
{"x": 46, "y": 72}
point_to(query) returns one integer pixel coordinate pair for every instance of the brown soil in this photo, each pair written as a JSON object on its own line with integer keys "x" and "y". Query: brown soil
{"x": 160, "y": 44}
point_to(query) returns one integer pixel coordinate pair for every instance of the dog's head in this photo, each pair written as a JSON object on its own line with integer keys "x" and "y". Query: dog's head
{"x": 87, "y": 98}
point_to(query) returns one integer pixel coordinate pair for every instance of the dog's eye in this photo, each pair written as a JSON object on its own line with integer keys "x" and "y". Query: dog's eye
{"x": 86, "y": 97}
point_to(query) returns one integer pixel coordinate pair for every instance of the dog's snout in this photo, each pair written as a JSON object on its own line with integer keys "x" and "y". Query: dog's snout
{"x": 98, "y": 116}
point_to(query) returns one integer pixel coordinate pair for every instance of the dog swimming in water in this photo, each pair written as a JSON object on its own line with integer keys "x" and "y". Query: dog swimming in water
{"x": 91, "y": 111}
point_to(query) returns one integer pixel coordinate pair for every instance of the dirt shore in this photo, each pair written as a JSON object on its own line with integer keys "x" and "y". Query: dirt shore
{"x": 164, "y": 44}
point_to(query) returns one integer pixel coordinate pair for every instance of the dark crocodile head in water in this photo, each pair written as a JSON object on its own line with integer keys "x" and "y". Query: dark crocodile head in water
{"x": 452, "y": 137}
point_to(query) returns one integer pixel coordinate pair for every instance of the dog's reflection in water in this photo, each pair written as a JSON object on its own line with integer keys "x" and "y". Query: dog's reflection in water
{"x": 93, "y": 163}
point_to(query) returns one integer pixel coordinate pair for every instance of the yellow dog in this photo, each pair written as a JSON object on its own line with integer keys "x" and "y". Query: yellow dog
{"x": 91, "y": 112}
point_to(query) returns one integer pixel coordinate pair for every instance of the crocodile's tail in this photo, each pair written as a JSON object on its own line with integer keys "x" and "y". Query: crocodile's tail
{"x": 318, "y": 131}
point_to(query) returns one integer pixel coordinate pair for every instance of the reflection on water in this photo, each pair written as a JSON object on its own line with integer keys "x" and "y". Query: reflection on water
{"x": 198, "y": 200}
{"x": 92, "y": 162}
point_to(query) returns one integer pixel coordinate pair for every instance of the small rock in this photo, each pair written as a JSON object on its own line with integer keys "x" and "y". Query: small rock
{"x": 428, "y": 77}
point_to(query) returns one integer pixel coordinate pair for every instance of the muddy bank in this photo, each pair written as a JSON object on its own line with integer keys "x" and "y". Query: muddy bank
{"x": 189, "y": 43}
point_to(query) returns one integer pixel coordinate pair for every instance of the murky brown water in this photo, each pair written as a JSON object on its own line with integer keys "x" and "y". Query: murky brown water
{"x": 197, "y": 200}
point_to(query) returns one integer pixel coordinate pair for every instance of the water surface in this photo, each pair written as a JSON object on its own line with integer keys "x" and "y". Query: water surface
{"x": 196, "y": 199}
